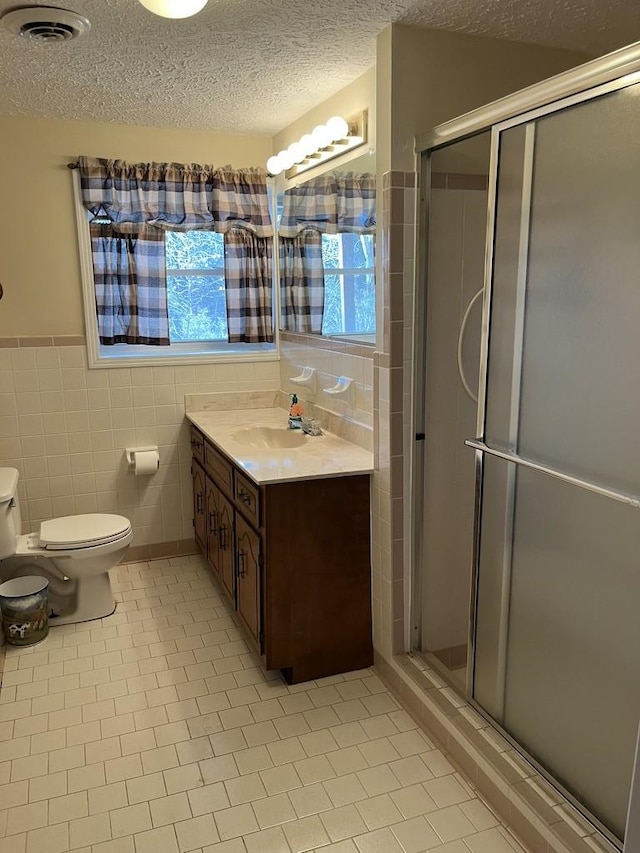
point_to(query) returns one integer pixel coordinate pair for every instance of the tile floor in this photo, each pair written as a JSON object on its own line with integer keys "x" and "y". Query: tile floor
{"x": 155, "y": 730}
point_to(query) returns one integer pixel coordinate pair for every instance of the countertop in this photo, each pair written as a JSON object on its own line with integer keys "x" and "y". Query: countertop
{"x": 319, "y": 456}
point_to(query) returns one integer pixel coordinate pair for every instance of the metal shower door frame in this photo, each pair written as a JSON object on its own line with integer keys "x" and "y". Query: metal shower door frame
{"x": 611, "y": 73}
{"x": 614, "y": 71}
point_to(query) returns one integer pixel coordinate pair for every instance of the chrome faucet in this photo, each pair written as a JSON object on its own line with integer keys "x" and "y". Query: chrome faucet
{"x": 310, "y": 426}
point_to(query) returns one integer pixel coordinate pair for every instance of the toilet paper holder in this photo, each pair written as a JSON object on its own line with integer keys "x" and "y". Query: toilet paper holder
{"x": 130, "y": 453}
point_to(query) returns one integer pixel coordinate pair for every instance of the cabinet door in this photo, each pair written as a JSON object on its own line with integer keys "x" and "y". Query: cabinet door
{"x": 199, "y": 522}
{"x": 212, "y": 504}
{"x": 225, "y": 543}
{"x": 248, "y": 573}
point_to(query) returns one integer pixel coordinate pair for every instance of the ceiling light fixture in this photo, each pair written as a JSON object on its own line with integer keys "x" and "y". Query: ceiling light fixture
{"x": 325, "y": 142}
{"x": 174, "y": 8}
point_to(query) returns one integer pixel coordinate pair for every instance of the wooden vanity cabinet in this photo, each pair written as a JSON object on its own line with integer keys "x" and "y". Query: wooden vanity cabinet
{"x": 294, "y": 561}
{"x": 249, "y": 581}
{"x": 199, "y": 490}
{"x": 219, "y": 544}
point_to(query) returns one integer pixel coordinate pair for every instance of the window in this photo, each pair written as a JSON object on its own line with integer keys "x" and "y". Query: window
{"x": 349, "y": 275}
{"x": 155, "y": 294}
{"x": 195, "y": 286}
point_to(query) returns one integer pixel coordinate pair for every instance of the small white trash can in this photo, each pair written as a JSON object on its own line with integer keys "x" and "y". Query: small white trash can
{"x": 24, "y": 605}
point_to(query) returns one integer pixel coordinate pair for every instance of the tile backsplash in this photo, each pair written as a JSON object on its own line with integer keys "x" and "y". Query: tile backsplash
{"x": 65, "y": 428}
{"x": 331, "y": 359}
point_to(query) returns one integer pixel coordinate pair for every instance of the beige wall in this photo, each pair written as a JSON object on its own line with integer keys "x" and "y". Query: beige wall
{"x": 437, "y": 75}
{"x": 383, "y": 100}
{"x": 357, "y": 96}
{"x": 39, "y": 267}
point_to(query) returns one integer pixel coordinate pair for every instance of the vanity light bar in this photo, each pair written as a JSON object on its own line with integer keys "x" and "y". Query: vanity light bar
{"x": 325, "y": 142}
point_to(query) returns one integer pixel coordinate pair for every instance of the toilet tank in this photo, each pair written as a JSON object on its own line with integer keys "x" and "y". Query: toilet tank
{"x": 10, "y": 521}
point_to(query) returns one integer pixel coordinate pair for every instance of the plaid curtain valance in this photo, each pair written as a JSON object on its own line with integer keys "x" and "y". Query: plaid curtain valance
{"x": 133, "y": 204}
{"x": 336, "y": 203}
{"x": 176, "y": 196}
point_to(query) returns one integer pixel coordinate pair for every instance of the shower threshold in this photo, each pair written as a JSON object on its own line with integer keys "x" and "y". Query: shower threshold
{"x": 540, "y": 815}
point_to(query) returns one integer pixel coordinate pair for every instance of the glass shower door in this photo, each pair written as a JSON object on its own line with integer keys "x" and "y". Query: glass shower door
{"x": 556, "y": 655}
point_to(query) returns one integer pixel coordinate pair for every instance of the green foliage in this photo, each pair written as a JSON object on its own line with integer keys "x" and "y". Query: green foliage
{"x": 197, "y": 308}
{"x": 194, "y": 250}
{"x": 350, "y": 300}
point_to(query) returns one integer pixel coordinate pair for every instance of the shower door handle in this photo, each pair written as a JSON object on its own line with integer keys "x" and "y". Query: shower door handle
{"x": 463, "y": 328}
{"x": 622, "y": 497}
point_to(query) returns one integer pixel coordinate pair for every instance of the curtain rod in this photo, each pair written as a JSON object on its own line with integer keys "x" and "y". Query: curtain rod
{"x": 73, "y": 165}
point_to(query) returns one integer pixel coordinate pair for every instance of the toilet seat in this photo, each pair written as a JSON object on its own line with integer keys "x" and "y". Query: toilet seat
{"x": 82, "y": 531}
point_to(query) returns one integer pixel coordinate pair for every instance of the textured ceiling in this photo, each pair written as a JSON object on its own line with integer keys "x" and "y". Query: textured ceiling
{"x": 254, "y": 66}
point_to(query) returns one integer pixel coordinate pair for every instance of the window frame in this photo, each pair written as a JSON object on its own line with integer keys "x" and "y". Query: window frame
{"x": 347, "y": 290}
{"x": 138, "y": 355}
{"x": 210, "y": 272}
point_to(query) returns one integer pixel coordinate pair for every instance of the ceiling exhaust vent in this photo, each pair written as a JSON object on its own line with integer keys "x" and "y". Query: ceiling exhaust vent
{"x": 45, "y": 23}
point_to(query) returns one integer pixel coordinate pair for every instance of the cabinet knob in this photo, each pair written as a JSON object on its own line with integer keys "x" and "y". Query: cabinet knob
{"x": 222, "y": 537}
{"x": 245, "y": 497}
{"x": 212, "y": 523}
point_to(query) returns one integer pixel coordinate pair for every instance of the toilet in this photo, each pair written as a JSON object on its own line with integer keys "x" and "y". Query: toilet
{"x": 73, "y": 553}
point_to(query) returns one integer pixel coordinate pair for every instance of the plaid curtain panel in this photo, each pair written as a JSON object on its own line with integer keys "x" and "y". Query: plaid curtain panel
{"x": 302, "y": 282}
{"x": 335, "y": 203}
{"x": 129, "y": 276}
{"x": 147, "y": 199}
{"x": 248, "y": 283}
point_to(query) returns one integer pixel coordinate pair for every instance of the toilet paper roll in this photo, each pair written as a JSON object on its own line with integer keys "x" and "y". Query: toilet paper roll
{"x": 145, "y": 462}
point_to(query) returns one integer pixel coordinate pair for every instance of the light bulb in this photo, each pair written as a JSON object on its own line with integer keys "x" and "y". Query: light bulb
{"x": 337, "y": 127}
{"x": 273, "y": 165}
{"x": 286, "y": 159}
{"x": 297, "y": 152}
{"x": 321, "y": 136}
{"x": 174, "y": 8}
{"x": 308, "y": 144}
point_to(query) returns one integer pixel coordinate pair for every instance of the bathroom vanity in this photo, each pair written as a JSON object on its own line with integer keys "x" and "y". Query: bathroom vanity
{"x": 286, "y": 533}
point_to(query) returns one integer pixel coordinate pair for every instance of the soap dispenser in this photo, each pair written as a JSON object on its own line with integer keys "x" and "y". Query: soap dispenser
{"x": 295, "y": 413}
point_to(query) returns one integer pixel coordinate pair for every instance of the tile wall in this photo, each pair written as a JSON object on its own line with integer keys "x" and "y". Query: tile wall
{"x": 331, "y": 359}
{"x": 65, "y": 428}
{"x": 393, "y": 378}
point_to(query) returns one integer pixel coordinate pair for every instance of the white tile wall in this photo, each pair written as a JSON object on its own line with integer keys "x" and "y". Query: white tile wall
{"x": 330, "y": 364}
{"x": 65, "y": 428}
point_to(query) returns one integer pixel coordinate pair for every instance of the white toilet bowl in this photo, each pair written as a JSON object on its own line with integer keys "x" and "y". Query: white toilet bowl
{"x": 74, "y": 553}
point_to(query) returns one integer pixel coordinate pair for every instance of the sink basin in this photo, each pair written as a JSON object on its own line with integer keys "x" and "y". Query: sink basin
{"x": 265, "y": 437}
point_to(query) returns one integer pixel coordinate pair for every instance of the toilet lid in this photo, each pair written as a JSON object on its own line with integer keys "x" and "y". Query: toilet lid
{"x": 82, "y": 531}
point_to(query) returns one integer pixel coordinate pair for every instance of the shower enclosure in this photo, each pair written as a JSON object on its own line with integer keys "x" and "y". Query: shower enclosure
{"x": 532, "y": 496}
{"x": 457, "y": 176}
